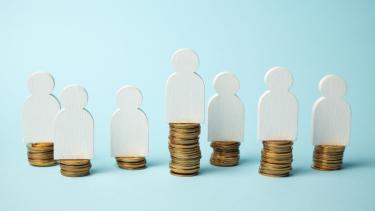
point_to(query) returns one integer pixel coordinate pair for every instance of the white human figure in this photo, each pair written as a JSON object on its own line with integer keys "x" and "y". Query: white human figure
{"x": 40, "y": 109}
{"x": 331, "y": 113}
{"x": 129, "y": 127}
{"x": 185, "y": 89}
{"x": 225, "y": 110}
{"x": 277, "y": 107}
{"x": 74, "y": 126}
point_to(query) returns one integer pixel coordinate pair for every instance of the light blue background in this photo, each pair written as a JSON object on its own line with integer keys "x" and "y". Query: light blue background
{"x": 104, "y": 45}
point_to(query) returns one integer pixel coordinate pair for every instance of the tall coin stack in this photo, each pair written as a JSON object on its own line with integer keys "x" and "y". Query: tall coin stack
{"x": 328, "y": 157}
{"x": 277, "y": 157}
{"x": 40, "y": 154}
{"x": 75, "y": 168}
{"x": 184, "y": 149}
{"x": 226, "y": 153}
{"x": 131, "y": 163}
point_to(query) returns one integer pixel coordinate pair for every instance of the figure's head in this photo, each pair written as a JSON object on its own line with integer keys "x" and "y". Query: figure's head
{"x": 74, "y": 96}
{"x": 41, "y": 83}
{"x": 278, "y": 78}
{"x": 226, "y": 83}
{"x": 129, "y": 97}
{"x": 185, "y": 60}
{"x": 332, "y": 86}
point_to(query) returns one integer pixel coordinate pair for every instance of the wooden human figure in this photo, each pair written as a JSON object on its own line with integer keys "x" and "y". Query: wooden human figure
{"x": 74, "y": 132}
{"x": 129, "y": 130}
{"x": 185, "y": 89}
{"x": 39, "y": 112}
{"x": 331, "y": 124}
{"x": 185, "y": 112}
{"x": 278, "y": 107}
{"x": 226, "y": 120}
{"x": 277, "y": 120}
{"x": 331, "y": 113}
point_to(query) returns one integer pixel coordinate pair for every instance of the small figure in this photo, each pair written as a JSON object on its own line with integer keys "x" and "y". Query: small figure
{"x": 331, "y": 124}
{"x": 185, "y": 112}
{"x": 278, "y": 107}
{"x": 129, "y": 130}
{"x": 226, "y": 120}
{"x": 39, "y": 112}
{"x": 74, "y": 132}
{"x": 277, "y": 123}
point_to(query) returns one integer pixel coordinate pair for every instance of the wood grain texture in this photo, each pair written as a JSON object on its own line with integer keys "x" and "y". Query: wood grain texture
{"x": 185, "y": 89}
{"x": 331, "y": 113}
{"x": 226, "y": 112}
{"x": 40, "y": 109}
{"x": 278, "y": 107}
{"x": 129, "y": 126}
{"x": 74, "y": 126}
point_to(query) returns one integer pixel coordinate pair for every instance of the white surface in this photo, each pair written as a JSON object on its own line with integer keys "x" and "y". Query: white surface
{"x": 331, "y": 113}
{"x": 129, "y": 127}
{"x": 277, "y": 107}
{"x": 74, "y": 126}
{"x": 185, "y": 89}
{"x": 39, "y": 109}
{"x": 226, "y": 112}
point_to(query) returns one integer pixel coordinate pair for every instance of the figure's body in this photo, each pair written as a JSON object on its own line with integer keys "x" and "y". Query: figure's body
{"x": 331, "y": 113}
{"x": 185, "y": 89}
{"x": 278, "y": 108}
{"x": 226, "y": 111}
{"x": 40, "y": 110}
{"x": 74, "y": 126}
{"x": 129, "y": 127}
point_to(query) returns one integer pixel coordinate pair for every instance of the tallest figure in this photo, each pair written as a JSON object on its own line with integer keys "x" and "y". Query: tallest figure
{"x": 185, "y": 113}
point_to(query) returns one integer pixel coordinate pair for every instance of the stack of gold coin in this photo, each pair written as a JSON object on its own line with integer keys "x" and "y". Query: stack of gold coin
{"x": 75, "y": 168}
{"x": 328, "y": 157}
{"x": 184, "y": 149}
{"x": 131, "y": 163}
{"x": 277, "y": 157}
{"x": 40, "y": 154}
{"x": 226, "y": 153}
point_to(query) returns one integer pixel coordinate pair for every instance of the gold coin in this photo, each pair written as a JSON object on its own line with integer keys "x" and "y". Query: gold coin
{"x": 74, "y": 162}
{"x": 276, "y": 158}
{"x": 328, "y": 157}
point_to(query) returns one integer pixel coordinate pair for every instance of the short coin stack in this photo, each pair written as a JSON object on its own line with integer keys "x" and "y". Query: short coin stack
{"x": 131, "y": 163}
{"x": 277, "y": 157}
{"x": 40, "y": 154}
{"x": 75, "y": 168}
{"x": 184, "y": 149}
{"x": 226, "y": 153}
{"x": 328, "y": 157}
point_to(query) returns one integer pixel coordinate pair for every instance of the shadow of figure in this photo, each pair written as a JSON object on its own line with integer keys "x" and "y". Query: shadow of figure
{"x": 301, "y": 170}
{"x": 151, "y": 163}
{"x": 243, "y": 163}
{"x": 355, "y": 164}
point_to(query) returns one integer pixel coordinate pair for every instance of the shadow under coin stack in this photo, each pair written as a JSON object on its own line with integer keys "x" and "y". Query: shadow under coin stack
{"x": 131, "y": 163}
{"x": 226, "y": 153}
{"x": 40, "y": 154}
{"x": 75, "y": 168}
{"x": 184, "y": 149}
{"x": 277, "y": 157}
{"x": 328, "y": 157}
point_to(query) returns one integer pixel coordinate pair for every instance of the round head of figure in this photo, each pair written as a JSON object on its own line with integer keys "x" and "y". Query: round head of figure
{"x": 332, "y": 86}
{"x": 129, "y": 97}
{"x": 74, "y": 97}
{"x": 226, "y": 83}
{"x": 185, "y": 60}
{"x": 41, "y": 84}
{"x": 278, "y": 79}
